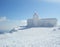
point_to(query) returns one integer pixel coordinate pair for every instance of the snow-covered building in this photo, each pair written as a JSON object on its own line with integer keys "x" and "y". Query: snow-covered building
{"x": 45, "y": 22}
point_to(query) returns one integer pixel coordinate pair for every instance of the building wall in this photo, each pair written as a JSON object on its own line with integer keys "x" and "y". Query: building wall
{"x": 35, "y": 22}
{"x": 29, "y": 22}
{"x": 49, "y": 22}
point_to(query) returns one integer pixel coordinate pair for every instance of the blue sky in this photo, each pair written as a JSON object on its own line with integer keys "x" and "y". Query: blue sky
{"x": 13, "y": 11}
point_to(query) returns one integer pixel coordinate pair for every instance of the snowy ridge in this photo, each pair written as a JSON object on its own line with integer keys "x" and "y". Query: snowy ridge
{"x": 32, "y": 37}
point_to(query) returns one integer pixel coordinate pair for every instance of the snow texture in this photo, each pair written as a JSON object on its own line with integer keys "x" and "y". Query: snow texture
{"x": 31, "y": 37}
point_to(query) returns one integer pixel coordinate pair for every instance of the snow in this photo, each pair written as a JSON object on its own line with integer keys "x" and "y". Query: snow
{"x": 31, "y": 37}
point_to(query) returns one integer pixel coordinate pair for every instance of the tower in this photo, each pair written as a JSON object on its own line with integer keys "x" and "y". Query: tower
{"x": 35, "y": 20}
{"x": 35, "y": 16}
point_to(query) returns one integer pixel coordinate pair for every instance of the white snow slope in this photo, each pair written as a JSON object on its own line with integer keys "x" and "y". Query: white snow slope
{"x": 33, "y": 37}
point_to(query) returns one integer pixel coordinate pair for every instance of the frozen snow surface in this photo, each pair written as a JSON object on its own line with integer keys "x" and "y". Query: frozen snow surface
{"x": 32, "y": 37}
